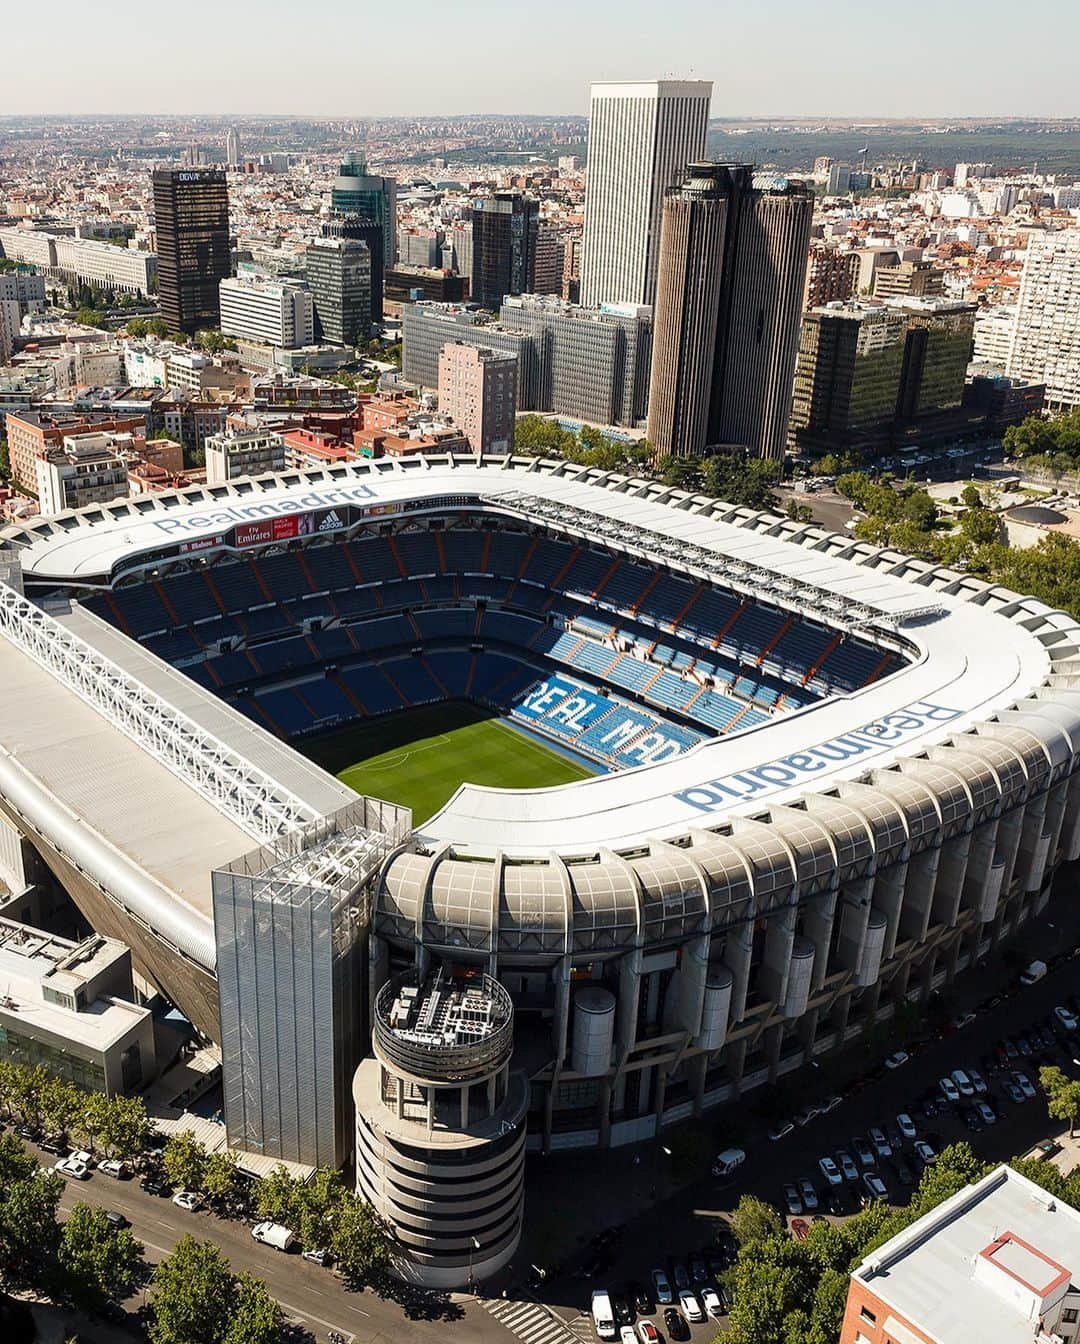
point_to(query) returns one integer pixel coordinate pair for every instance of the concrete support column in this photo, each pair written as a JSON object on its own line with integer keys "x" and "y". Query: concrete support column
{"x": 693, "y": 971}
{"x": 919, "y": 895}
{"x": 738, "y": 950}
{"x": 736, "y": 1062}
{"x": 853, "y": 911}
{"x": 819, "y": 914}
{"x": 1008, "y": 844}
{"x": 776, "y": 963}
{"x": 952, "y": 868}
{"x": 560, "y": 1022}
{"x": 980, "y": 859}
{"x": 698, "y": 1067}
{"x": 888, "y": 898}
{"x": 1070, "y": 829}
{"x": 1034, "y": 844}
{"x": 604, "y": 1121}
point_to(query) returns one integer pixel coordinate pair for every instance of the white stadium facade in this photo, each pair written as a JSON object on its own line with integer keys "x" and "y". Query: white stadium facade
{"x": 827, "y": 778}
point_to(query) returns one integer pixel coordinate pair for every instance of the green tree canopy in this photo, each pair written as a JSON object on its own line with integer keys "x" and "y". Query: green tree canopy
{"x": 99, "y": 1263}
{"x": 754, "y": 1220}
{"x": 184, "y": 1160}
{"x": 1062, "y": 1095}
{"x": 193, "y": 1295}
{"x": 360, "y": 1242}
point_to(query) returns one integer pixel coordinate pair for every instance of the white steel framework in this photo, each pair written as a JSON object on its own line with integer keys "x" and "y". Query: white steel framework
{"x": 258, "y": 804}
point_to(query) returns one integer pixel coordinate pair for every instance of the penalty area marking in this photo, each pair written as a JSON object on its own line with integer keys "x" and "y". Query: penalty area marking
{"x": 395, "y": 762}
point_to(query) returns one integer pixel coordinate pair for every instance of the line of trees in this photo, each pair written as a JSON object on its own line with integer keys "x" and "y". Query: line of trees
{"x": 117, "y": 1126}
{"x": 322, "y": 1212}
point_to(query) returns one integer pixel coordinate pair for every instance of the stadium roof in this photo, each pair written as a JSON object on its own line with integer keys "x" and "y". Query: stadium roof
{"x": 974, "y": 652}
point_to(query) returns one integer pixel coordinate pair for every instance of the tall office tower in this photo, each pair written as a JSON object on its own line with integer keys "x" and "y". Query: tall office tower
{"x": 191, "y": 217}
{"x": 766, "y": 250}
{"x": 478, "y": 390}
{"x": 504, "y": 228}
{"x": 688, "y": 310}
{"x": 362, "y": 230}
{"x": 550, "y": 260}
{"x": 338, "y": 272}
{"x": 757, "y": 263}
{"x": 355, "y": 191}
{"x": 232, "y": 148}
{"x": 641, "y": 137}
{"x": 1046, "y": 342}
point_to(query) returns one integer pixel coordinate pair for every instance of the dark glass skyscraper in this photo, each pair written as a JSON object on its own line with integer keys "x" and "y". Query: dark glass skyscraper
{"x": 504, "y": 230}
{"x": 733, "y": 257}
{"x": 191, "y": 214}
{"x": 370, "y": 203}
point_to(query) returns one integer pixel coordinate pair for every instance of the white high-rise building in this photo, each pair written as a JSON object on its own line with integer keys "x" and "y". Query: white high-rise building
{"x": 641, "y": 137}
{"x": 232, "y": 148}
{"x": 261, "y": 310}
{"x": 1046, "y": 342}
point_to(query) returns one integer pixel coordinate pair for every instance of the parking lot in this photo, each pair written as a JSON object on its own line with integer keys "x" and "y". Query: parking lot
{"x": 877, "y": 1130}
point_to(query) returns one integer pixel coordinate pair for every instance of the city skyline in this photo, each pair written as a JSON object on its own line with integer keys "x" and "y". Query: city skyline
{"x": 767, "y": 60}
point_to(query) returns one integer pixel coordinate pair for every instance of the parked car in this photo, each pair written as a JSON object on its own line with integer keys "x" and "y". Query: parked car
{"x": 55, "y": 1144}
{"x": 675, "y": 1324}
{"x": 710, "y": 1300}
{"x": 116, "y": 1219}
{"x": 808, "y": 1193}
{"x": 882, "y": 1146}
{"x": 800, "y": 1229}
{"x": 681, "y": 1275}
{"x": 791, "y": 1199}
{"x": 875, "y": 1187}
{"x": 319, "y": 1256}
{"x": 847, "y": 1166}
{"x": 627, "y": 1335}
{"x": 1066, "y": 1017}
{"x": 906, "y": 1125}
{"x": 73, "y": 1168}
{"x": 113, "y": 1167}
{"x": 863, "y": 1151}
{"x": 978, "y": 1082}
{"x": 698, "y": 1270}
{"x": 896, "y": 1059}
{"x": 274, "y": 1234}
{"x": 187, "y": 1199}
{"x": 155, "y": 1185}
{"x": 648, "y": 1333}
{"x": 924, "y": 1152}
{"x": 963, "y": 1083}
{"x": 830, "y": 1171}
{"x": 986, "y": 1113}
{"x": 1024, "y": 1083}
{"x": 949, "y": 1090}
{"x": 662, "y": 1287}
{"x": 691, "y": 1307}
{"x": 1014, "y": 1093}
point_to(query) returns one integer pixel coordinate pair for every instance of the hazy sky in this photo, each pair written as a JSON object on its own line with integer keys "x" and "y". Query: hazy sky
{"x": 370, "y": 57}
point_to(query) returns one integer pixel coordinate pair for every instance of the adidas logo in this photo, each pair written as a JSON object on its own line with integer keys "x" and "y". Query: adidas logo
{"x": 330, "y": 522}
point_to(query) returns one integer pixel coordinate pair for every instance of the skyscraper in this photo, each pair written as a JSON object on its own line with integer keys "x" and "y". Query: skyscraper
{"x": 641, "y": 137}
{"x": 191, "y": 218}
{"x": 733, "y": 265}
{"x": 232, "y": 148}
{"x": 688, "y": 309}
{"x": 373, "y": 200}
{"x": 357, "y": 229}
{"x": 766, "y": 254}
{"x": 504, "y": 228}
{"x": 1046, "y": 341}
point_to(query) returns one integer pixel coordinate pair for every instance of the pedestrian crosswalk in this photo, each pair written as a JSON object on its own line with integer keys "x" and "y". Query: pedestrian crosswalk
{"x": 530, "y": 1322}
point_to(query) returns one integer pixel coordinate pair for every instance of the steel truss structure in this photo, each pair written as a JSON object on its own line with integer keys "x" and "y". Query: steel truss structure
{"x": 742, "y": 576}
{"x": 259, "y": 805}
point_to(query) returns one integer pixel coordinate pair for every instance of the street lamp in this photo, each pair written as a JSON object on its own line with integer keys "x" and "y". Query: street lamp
{"x": 473, "y": 1248}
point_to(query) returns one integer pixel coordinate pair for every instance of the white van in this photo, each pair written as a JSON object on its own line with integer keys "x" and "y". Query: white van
{"x": 728, "y": 1161}
{"x": 603, "y": 1315}
{"x": 273, "y": 1234}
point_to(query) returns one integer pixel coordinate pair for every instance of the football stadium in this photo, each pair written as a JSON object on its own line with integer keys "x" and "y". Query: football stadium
{"x": 474, "y": 807}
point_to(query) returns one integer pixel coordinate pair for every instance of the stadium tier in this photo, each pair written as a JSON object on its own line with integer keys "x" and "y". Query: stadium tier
{"x": 827, "y": 778}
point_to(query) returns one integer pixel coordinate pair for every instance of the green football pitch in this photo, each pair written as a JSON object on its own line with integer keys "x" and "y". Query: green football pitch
{"x": 417, "y": 758}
